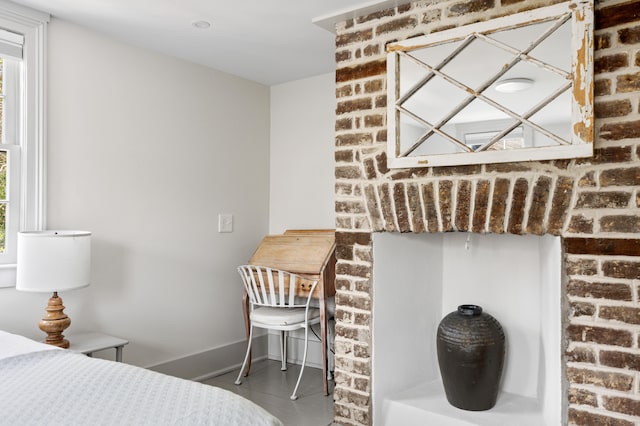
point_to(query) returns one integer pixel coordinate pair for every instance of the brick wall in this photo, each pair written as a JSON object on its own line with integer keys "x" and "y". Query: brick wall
{"x": 593, "y": 204}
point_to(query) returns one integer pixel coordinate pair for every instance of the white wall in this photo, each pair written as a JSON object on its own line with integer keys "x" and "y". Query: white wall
{"x": 302, "y": 154}
{"x": 302, "y": 174}
{"x": 145, "y": 151}
{"x": 406, "y": 312}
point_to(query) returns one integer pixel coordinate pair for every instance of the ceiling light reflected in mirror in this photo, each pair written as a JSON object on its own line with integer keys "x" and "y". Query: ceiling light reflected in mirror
{"x": 514, "y": 85}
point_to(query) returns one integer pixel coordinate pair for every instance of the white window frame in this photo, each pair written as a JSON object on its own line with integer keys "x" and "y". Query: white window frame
{"x": 30, "y": 135}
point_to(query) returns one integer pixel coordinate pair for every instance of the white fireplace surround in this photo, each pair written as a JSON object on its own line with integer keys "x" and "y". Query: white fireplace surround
{"x": 423, "y": 277}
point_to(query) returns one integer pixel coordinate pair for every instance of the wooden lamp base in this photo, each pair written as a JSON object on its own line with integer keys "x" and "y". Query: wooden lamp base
{"x": 55, "y": 322}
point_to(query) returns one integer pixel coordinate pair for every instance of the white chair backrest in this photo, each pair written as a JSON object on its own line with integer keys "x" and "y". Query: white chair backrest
{"x": 274, "y": 287}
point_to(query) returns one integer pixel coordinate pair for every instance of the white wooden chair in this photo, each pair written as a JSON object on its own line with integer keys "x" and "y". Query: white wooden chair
{"x": 273, "y": 305}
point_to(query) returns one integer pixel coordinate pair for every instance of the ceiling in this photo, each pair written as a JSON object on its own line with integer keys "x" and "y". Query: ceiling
{"x": 267, "y": 41}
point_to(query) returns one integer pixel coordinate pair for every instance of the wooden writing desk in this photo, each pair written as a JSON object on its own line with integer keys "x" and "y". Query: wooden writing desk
{"x": 310, "y": 253}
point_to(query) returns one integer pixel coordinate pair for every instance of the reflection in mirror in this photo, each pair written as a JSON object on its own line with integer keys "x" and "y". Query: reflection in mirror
{"x": 505, "y": 85}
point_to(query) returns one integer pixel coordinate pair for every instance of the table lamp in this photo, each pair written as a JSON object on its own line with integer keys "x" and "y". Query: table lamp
{"x": 53, "y": 261}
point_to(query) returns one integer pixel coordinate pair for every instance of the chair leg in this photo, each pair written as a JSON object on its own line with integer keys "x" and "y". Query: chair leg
{"x": 304, "y": 360}
{"x": 246, "y": 357}
{"x": 283, "y": 349}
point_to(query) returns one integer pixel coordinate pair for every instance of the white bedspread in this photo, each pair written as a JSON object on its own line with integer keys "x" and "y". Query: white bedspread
{"x": 59, "y": 387}
{"x": 13, "y": 344}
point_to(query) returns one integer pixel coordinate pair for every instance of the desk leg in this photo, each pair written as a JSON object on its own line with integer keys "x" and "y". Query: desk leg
{"x": 323, "y": 335}
{"x": 247, "y": 326}
{"x": 119, "y": 354}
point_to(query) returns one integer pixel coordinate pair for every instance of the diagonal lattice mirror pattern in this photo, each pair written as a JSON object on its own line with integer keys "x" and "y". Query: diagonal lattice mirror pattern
{"x": 509, "y": 88}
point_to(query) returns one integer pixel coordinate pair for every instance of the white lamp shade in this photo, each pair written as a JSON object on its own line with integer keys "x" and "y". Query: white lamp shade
{"x": 51, "y": 261}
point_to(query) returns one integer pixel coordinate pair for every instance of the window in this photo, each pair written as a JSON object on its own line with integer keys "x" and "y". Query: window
{"x": 22, "y": 131}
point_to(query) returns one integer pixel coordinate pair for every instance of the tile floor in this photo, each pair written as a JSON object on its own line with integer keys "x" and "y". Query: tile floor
{"x": 271, "y": 388}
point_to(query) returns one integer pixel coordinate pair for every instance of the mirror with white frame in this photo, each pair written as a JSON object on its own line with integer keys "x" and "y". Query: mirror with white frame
{"x": 515, "y": 88}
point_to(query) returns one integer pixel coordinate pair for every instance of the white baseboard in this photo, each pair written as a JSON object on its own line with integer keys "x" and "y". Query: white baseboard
{"x": 295, "y": 350}
{"x": 217, "y": 361}
{"x": 213, "y": 362}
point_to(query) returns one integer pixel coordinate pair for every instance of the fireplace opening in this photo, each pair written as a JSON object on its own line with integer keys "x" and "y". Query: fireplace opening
{"x": 420, "y": 278}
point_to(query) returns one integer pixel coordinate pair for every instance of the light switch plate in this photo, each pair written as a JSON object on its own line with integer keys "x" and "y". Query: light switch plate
{"x": 225, "y": 222}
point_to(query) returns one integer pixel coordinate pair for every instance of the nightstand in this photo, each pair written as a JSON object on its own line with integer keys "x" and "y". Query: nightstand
{"x": 90, "y": 342}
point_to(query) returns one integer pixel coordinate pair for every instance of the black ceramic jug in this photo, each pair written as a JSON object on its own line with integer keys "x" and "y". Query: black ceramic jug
{"x": 471, "y": 356}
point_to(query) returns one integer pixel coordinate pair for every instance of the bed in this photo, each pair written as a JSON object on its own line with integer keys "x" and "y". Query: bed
{"x": 44, "y": 385}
